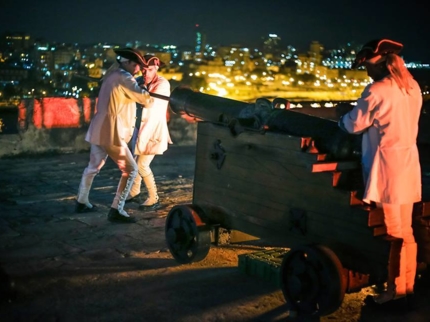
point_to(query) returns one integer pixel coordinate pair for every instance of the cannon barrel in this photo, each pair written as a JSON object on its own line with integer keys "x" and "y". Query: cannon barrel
{"x": 327, "y": 136}
{"x": 211, "y": 108}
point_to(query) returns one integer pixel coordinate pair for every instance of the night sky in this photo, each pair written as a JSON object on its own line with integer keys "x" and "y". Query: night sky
{"x": 225, "y": 22}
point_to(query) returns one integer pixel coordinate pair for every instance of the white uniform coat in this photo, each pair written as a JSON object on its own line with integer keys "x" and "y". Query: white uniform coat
{"x": 115, "y": 117}
{"x": 388, "y": 118}
{"x": 154, "y": 137}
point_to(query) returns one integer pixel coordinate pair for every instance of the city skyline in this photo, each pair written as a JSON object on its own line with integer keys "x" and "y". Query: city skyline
{"x": 297, "y": 23}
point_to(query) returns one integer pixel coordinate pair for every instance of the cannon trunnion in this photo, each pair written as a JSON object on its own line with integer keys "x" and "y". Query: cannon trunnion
{"x": 283, "y": 187}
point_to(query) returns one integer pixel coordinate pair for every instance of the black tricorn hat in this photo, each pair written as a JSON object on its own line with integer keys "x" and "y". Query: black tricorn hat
{"x": 151, "y": 60}
{"x": 131, "y": 54}
{"x": 375, "y": 51}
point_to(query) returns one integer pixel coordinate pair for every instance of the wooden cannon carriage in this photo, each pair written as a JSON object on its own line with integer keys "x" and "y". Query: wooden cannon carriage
{"x": 256, "y": 172}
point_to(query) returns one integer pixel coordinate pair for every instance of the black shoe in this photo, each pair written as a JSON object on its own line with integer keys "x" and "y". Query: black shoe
{"x": 154, "y": 206}
{"x": 399, "y": 305}
{"x": 137, "y": 199}
{"x": 82, "y": 208}
{"x": 115, "y": 216}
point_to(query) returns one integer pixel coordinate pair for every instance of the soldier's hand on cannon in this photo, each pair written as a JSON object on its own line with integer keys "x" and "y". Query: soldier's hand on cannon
{"x": 190, "y": 119}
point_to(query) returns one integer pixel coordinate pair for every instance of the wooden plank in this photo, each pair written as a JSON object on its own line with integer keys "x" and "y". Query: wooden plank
{"x": 279, "y": 173}
{"x": 284, "y": 162}
{"x": 267, "y": 143}
{"x": 255, "y": 156}
{"x": 426, "y": 209}
{"x": 235, "y": 146}
{"x": 268, "y": 139}
{"x": 256, "y": 191}
{"x": 261, "y": 181}
{"x": 376, "y": 217}
{"x": 334, "y": 166}
{"x": 356, "y": 199}
{"x": 380, "y": 231}
{"x": 277, "y": 213}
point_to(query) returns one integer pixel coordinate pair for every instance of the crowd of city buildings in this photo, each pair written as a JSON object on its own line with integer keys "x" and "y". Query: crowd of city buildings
{"x": 37, "y": 68}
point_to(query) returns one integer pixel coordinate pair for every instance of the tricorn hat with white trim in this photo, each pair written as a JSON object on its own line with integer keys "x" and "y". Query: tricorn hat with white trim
{"x": 151, "y": 60}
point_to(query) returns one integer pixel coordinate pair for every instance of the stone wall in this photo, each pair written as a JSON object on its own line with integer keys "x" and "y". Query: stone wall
{"x": 60, "y": 124}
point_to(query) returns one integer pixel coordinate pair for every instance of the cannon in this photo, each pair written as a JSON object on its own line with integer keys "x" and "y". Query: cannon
{"x": 294, "y": 181}
{"x": 265, "y": 116}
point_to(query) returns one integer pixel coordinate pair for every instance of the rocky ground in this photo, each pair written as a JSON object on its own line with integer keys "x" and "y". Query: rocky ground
{"x": 70, "y": 267}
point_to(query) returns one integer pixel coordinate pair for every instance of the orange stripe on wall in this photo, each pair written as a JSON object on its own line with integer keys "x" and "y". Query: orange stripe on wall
{"x": 60, "y": 113}
{"x": 22, "y": 116}
{"x": 86, "y": 102}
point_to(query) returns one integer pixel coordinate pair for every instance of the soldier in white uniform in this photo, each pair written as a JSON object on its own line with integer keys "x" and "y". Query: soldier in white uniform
{"x": 112, "y": 128}
{"x": 152, "y": 134}
{"x": 387, "y": 115}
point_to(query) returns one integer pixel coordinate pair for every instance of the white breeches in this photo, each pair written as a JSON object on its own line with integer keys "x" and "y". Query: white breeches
{"x": 123, "y": 158}
{"x": 143, "y": 164}
{"x": 398, "y": 220}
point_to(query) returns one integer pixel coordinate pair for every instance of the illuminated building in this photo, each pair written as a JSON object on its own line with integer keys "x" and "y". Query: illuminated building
{"x": 199, "y": 49}
{"x": 341, "y": 57}
{"x": 16, "y": 42}
{"x": 271, "y": 47}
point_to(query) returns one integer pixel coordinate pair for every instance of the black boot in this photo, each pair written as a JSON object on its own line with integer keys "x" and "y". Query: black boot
{"x": 137, "y": 199}
{"x": 152, "y": 207}
{"x": 115, "y": 216}
{"x": 82, "y": 208}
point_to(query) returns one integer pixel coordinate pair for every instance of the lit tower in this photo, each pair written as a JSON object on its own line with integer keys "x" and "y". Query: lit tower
{"x": 200, "y": 44}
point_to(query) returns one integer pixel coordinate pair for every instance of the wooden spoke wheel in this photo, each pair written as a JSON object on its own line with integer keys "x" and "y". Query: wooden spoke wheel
{"x": 312, "y": 280}
{"x": 187, "y": 236}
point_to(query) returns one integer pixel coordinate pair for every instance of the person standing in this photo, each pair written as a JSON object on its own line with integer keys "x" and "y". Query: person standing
{"x": 151, "y": 134}
{"x": 387, "y": 114}
{"x": 111, "y": 129}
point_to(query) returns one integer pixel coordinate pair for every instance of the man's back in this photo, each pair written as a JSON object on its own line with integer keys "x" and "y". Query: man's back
{"x": 396, "y": 113}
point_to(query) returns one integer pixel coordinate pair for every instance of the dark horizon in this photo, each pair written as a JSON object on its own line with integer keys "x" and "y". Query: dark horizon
{"x": 298, "y": 23}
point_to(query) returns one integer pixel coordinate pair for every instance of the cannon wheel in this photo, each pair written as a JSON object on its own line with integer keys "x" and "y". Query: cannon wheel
{"x": 312, "y": 281}
{"x": 187, "y": 236}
